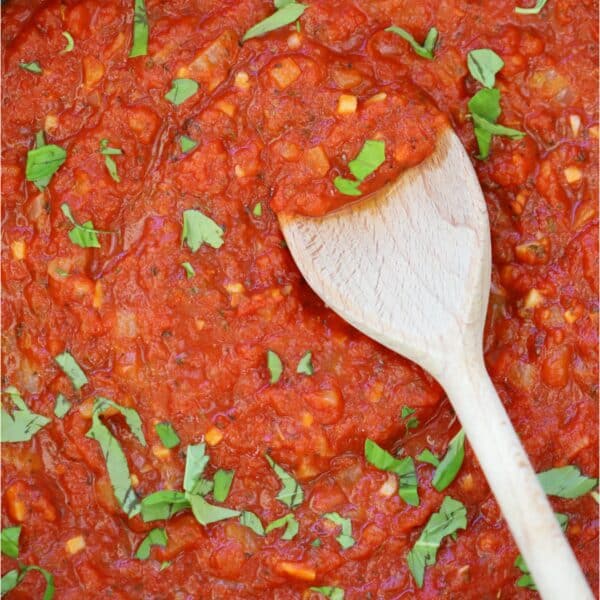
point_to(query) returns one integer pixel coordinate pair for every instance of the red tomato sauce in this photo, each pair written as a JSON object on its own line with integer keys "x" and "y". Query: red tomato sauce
{"x": 193, "y": 351}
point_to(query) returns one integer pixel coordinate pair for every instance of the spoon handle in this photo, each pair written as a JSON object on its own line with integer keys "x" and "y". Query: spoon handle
{"x": 513, "y": 481}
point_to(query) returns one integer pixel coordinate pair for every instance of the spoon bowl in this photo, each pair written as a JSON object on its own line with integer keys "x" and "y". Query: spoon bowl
{"x": 410, "y": 267}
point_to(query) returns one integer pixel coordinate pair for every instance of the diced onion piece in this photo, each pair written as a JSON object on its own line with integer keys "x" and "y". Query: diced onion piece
{"x": 575, "y": 121}
{"x": 307, "y": 419}
{"x": 317, "y": 161}
{"x": 376, "y": 98}
{"x": 50, "y": 122}
{"x": 533, "y": 298}
{"x": 14, "y": 502}
{"x": 18, "y": 249}
{"x": 75, "y": 544}
{"x": 234, "y": 288}
{"x": 573, "y": 174}
{"x": 93, "y": 71}
{"x": 285, "y": 72}
{"x": 297, "y": 570}
{"x": 135, "y": 480}
{"x": 294, "y": 41}
{"x": 161, "y": 452}
{"x": 226, "y": 107}
{"x": 347, "y": 104}
{"x": 213, "y": 436}
{"x": 390, "y": 486}
{"x": 242, "y": 80}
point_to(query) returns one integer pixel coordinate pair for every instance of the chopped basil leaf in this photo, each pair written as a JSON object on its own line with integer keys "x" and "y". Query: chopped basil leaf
{"x": 483, "y": 65}
{"x": 566, "y": 482}
{"x": 61, "y": 406}
{"x": 404, "y": 469}
{"x": 291, "y": 526}
{"x": 199, "y": 229}
{"x": 9, "y": 581}
{"x": 32, "y": 67}
{"x": 274, "y": 365}
{"x": 284, "y": 15}
{"x": 163, "y": 505}
{"x": 486, "y": 104}
{"x": 70, "y": 43}
{"x": 428, "y": 457}
{"x": 345, "y": 538}
{"x": 206, "y": 513}
{"x": 451, "y": 463}
{"x": 426, "y": 50}
{"x": 189, "y": 270}
{"x": 250, "y": 520}
{"x": 595, "y": 496}
{"x": 181, "y": 90}
{"x": 108, "y": 152}
{"x": 165, "y": 565}
{"x": 406, "y": 412}
{"x": 116, "y": 462}
{"x": 139, "y": 47}
{"x": 526, "y": 580}
{"x": 156, "y": 537}
{"x": 83, "y": 235}
{"x": 49, "y": 591}
{"x": 347, "y": 186}
{"x": 535, "y": 10}
{"x": 43, "y": 162}
{"x": 257, "y": 210}
{"x": 187, "y": 144}
{"x": 222, "y": 484}
{"x": 168, "y": 436}
{"x": 9, "y": 541}
{"x": 22, "y": 424}
{"x": 369, "y": 159}
{"x": 291, "y": 494}
{"x": 316, "y": 543}
{"x": 203, "y": 487}
{"x": 495, "y": 129}
{"x": 305, "y": 365}
{"x": 329, "y": 591}
{"x": 132, "y": 418}
{"x": 71, "y": 369}
{"x": 451, "y": 517}
{"x": 412, "y": 423}
{"x": 195, "y": 463}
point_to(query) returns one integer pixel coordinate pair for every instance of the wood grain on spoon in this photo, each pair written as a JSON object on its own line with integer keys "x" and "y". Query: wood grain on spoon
{"x": 410, "y": 268}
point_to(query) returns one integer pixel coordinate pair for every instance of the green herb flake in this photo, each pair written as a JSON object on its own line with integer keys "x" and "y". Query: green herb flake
{"x": 291, "y": 526}
{"x": 71, "y": 369}
{"x": 451, "y": 517}
{"x": 284, "y": 15}
{"x": 195, "y": 463}
{"x": 427, "y": 456}
{"x": 11, "y": 579}
{"x": 32, "y": 67}
{"x": 291, "y": 494}
{"x": 139, "y": 46}
{"x": 483, "y": 65}
{"x": 181, "y": 90}
{"x": 43, "y": 162}
{"x": 165, "y": 565}
{"x": 406, "y": 412}
{"x": 163, "y": 505}
{"x": 167, "y": 434}
{"x": 412, "y": 423}
{"x": 566, "y": 482}
{"x": 316, "y": 543}
{"x": 84, "y": 235}
{"x": 156, "y": 537}
{"x": 425, "y": 50}
{"x": 9, "y": 541}
{"x": 348, "y": 187}
{"x": 116, "y": 462}
{"x": 61, "y": 406}
{"x": 368, "y": 160}
{"x": 70, "y": 43}
{"x": 345, "y": 539}
{"x": 222, "y": 480}
{"x": 187, "y": 144}
{"x": 250, "y": 520}
{"x": 189, "y": 270}
{"x": 451, "y": 463}
{"x": 305, "y": 366}
{"x": 275, "y": 366}
{"x": 526, "y": 580}
{"x": 206, "y": 513}
{"x": 329, "y": 591}
{"x": 21, "y": 424}
{"x": 199, "y": 229}
{"x": 257, "y": 211}
{"x": 404, "y": 468}
{"x": 108, "y": 153}
{"x": 534, "y": 10}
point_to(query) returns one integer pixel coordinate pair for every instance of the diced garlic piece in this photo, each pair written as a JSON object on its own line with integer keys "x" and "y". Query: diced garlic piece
{"x": 75, "y": 544}
{"x": 533, "y": 298}
{"x": 390, "y": 486}
{"x": 294, "y": 41}
{"x": 18, "y": 249}
{"x": 573, "y": 174}
{"x": 234, "y": 288}
{"x": 213, "y": 436}
{"x": 347, "y": 104}
{"x": 575, "y": 121}
{"x": 242, "y": 80}
{"x": 376, "y": 98}
{"x": 285, "y": 72}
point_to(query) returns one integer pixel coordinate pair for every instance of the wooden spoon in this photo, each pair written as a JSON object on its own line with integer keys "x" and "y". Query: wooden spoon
{"x": 410, "y": 268}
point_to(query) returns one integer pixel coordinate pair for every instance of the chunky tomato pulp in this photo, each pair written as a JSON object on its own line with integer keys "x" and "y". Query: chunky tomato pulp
{"x": 208, "y": 333}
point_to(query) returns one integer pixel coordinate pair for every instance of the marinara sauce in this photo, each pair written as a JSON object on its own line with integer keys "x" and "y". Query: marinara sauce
{"x": 189, "y": 347}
